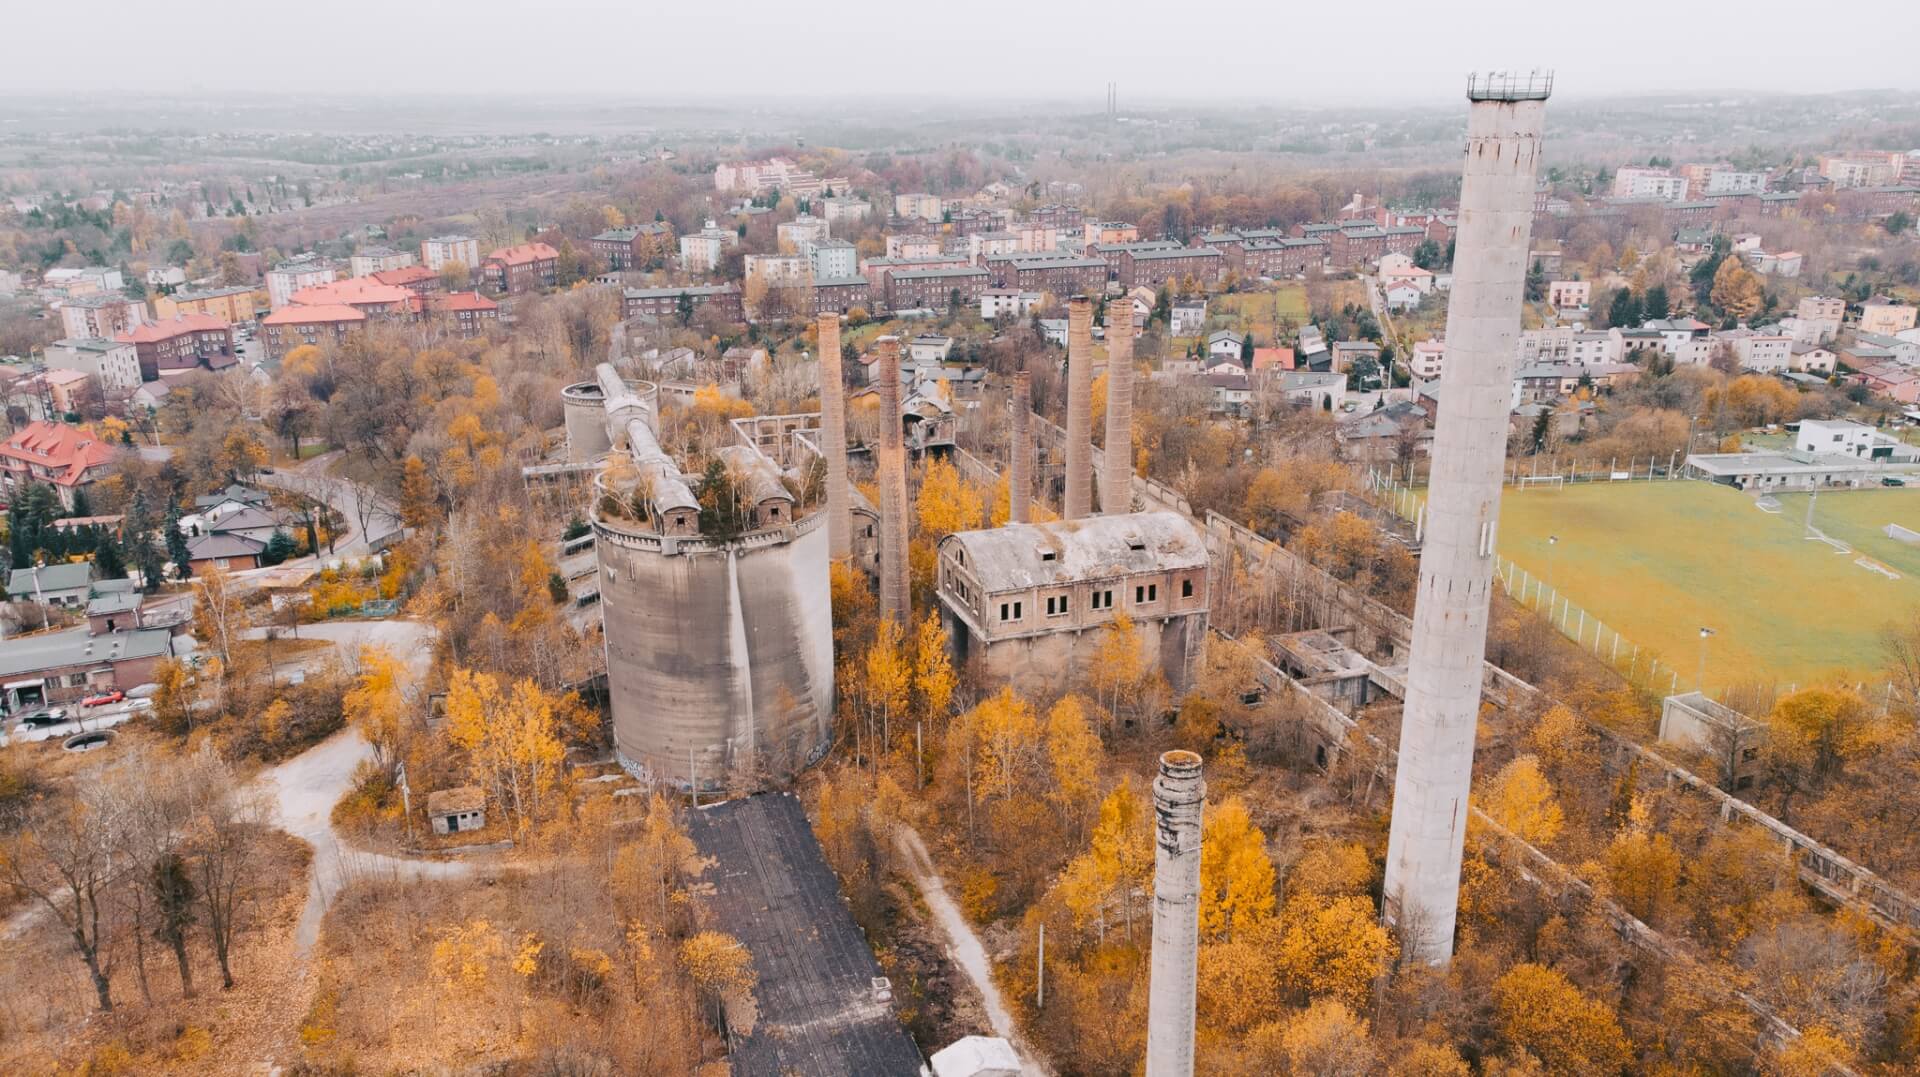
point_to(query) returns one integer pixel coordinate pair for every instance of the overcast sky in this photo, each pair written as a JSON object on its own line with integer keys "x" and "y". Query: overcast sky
{"x": 1288, "y": 51}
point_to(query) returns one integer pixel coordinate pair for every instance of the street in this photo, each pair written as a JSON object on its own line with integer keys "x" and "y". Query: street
{"x": 313, "y": 479}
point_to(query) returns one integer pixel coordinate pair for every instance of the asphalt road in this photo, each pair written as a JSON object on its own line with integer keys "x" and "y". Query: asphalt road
{"x": 314, "y": 479}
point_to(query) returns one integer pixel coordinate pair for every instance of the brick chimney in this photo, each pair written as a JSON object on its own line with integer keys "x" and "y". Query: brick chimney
{"x": 892, "y": 473}
{"x": 1079, "y": 495}
{"x": 833, "y": 439}
{"x": 1116, "y": 468}
{"x": 1020, "y": 453}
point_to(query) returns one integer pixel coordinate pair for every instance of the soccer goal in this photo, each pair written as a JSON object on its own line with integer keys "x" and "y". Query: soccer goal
{"x": 1551, "y": 482}
{"x": 1903, "y": 534}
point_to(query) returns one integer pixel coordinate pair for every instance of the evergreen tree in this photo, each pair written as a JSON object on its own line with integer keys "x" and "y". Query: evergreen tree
{"x": 1624, "y": 312}
{"x": 280, "y": 547}
{"x": 177, "y": 546}
{"x": 81, "y": 506}
{"x": 1656, "y": 305}
{"x": 107, "y": 561}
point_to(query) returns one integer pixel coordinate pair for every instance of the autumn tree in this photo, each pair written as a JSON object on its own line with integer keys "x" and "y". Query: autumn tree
{"x": 889, "y": 680}
{"x": 511, "y": 738}
{"x": 1118, "y": 861}
{"x": 1736, "y": 289}
{"x": 933, "y": 676}
{"x": 1822, "y": 728}
{"x": 377, "y": 705}
{"x": 1521, "y": 799}
{"x": 1537, "y": 1010}
{"x": 721, "y": 969}
{"x": 1236, "y": 875}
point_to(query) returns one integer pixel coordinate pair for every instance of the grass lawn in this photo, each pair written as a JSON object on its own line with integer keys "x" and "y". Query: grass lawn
{"x": 1659, "y": 560}
{"x": 1259, "y": 312}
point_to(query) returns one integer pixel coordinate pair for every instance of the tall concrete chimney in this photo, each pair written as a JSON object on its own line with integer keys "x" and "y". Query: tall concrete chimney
{"x": 892, "y": 474}
{"x": 1422, "y": 894}
{"x": 833, "y": 439}
{"x": 1079, "y": 496}
{"x": 1116, "y": 467}
{"x": 1179, "y": 795}
{"x": 1020, "y": 453}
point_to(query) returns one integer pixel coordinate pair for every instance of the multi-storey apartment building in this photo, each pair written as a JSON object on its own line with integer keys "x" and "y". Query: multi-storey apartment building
{"x": 1154, "y": 267}
{"x": 438, "y": 252}
{"x": 523, "y": 268}
{"x": 634, "y": 247}
{"x": 182, "y": 343}
{"x": 665, "y": 303}
{"x": 292, "y": 326}
{"x": 289, "y": 277}
{"x": 114, "y": 365}
{"x": 370, "y": 260}
{"x": 934, "y": 288}
{"x": 103, "y": 314}
{"x": 232, "y": 304}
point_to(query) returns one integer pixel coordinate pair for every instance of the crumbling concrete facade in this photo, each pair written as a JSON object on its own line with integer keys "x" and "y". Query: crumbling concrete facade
{"x": 1179, "y": 802}
{"x": 1435, "y": 772}
{"x": 719, "y": 647}
{"x": 1020, "y": 452}
{"x": 833, "y": 438}
{"x": 1078, "y": 502}
{"x": 1027, "y": 604}
{"x": 1116, "y": 467}
{"x": 891, "y": 470}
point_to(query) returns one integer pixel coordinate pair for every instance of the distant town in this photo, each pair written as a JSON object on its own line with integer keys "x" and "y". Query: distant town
{"x": 1140, "y": 589}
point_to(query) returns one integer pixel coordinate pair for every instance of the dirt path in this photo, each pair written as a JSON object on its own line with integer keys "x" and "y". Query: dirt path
{"x": 963, "y": 946}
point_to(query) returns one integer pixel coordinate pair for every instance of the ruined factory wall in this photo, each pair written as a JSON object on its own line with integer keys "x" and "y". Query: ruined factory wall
{"x": 719, "y": 655}
{"x": 1034, "y": 664}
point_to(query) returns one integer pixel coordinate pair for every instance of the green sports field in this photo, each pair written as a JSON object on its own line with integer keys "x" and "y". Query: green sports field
{"x": 1659, "y": 560}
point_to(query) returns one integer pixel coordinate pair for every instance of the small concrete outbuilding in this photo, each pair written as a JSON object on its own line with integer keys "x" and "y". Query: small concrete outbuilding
{"x": 457, "y": 810}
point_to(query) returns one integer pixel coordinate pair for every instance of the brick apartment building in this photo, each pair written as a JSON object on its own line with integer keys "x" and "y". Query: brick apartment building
{"x": 461, "y": 314}
{"x": 182, "y": 343}
{"x": 1058, "y": 216}
{"x": 634, "y": 247}
{"x": 934, "y": 288}
{"x": 290, "y": 327}
{"x": 1060, "y": 276}
{"x": 875, "y": 269}
{"x": 524, "y": 268}
{"x": 1286, "y": 257}
{"x": 664, "y": 303}
{"x": 1112, "y": 253}
{"x": 1152, "y": 268}
{"x": 416, "y": 279}
{"x": 838, "y": 295}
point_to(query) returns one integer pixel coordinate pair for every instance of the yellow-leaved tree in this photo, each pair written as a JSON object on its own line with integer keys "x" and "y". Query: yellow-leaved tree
{"x": 1536, "y": 1009}
{"x": 1118, "y": 861}
{"x": 889, "y": 685}
{"x": 1075, "y": 754}
{"x": 376, "y": 705}
{"x": 721, "y": 969}
{"x": 511, "y": 737}
{"x": 1332, "y": 948}
{"x": 947, "y": 503}
{"x": 1236, "y": 875}
{"x": 933, "y": 677}
{"x": 1521, "y": 799}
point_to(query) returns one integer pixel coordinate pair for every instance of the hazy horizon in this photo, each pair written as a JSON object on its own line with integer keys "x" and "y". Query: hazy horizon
{"x": 995, "y": 51}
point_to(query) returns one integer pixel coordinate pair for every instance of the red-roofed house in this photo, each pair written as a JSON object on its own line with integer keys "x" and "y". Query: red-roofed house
{"x": 524, "y": 268}
{"x": 1272, "y": 360}
{"x": 181, "y": 343}
{"x": 290, "y": 327}
{"x": 63, "y": 457}
{"x": 417, "y": 279}
{"x": 464, "y": 314}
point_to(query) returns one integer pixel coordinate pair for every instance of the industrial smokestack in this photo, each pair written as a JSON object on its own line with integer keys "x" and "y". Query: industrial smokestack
{"x": 1431, "y": 782}
{"x": 892, "y": 473}
{"x": 1116, "y": 468}
{"x": 1179, "y": 796}
{"x": 833, "y": 439}
{"x": 1079, "y": 496}
{"x": 1020, "y": 453}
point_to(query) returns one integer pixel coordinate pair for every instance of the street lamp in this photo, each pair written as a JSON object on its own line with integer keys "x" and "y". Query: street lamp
{"x": 1700, "y": 682}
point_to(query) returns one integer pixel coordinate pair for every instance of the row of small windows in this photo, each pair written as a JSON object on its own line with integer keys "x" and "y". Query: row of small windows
{"x": 1060, "y": 605}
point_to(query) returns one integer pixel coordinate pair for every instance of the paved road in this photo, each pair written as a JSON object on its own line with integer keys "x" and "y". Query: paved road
{"x": 304, "y": 789}
{"x": 314, "y": 478}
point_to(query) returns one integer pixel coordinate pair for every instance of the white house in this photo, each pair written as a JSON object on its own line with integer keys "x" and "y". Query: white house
{"x": 1427, "y": 357}
{"x": 1188, "y": 318}
{"x": 1834, "y": 436}
{"x": 1403, "y": 295}
{"x": 1811, "y": 359}
{"x": 1225, "y": 343}
{"x": 1011, "y": 302}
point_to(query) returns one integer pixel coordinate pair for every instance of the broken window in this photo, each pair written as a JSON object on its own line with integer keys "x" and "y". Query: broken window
{"x": 1186, "y": 588}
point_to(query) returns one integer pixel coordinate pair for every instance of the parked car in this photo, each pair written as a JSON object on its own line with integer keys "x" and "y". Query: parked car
{"x": 103, "y": 698}
{"x": 46, "y": 716}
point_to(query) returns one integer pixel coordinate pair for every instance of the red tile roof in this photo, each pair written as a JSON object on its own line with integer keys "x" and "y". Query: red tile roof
{"x": 179, "y": 325}
{"x": 321, "y": 312}
{"x": 461, "y": 301}
{"x": 405, "y": 276}
{"x": 68, "y": 449}
{"x": 353, "y": 292}
{"x": 525, "y": 252}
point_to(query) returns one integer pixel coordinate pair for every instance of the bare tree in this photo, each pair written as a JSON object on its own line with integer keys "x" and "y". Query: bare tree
{"x": 224, "y": 839}
{"x": 68, "y": 858}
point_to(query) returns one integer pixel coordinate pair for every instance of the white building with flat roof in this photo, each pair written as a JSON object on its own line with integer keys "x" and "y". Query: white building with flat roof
{"x": 437, "y": 252}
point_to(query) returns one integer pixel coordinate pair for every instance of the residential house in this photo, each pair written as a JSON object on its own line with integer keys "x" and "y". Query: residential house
{"x": 1403, "y": 295}
{"x": 1569, "y": 294}
{"x": 1427, "y": 357}
{"x": 1820, "y": 318}
{"x": 913, "y": 245}
{"x": 1882, "y": 315}
{"x": 1811, "y": 359}
{"x": 233, "y": 553}
{"x": 1348, "y": 352}
{"x": 290, "y": 327}
{"x": 1226, "y": 343}
{"x": 633, "y": 247}
{"x": 67, "y": 584}
{"x": 1760, "y": 351}
{"x": 934, "y": 289}
{"x": 1006, "y": 302}
{"x": 923, "y": 206}
{"x": 1188, "y": 317}
{"x": 55, "y": 454}
{"x": 1325, "y": 390}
